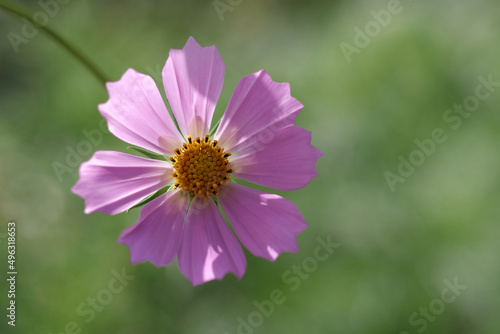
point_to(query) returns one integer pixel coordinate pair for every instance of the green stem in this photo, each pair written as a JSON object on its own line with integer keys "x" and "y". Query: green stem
{"x": 78, "y": 54}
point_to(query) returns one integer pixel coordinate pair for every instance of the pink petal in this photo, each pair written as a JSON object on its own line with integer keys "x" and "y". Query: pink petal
{"x": 193, "y": 80}
{"x": 112, "y": 182}
{"x": 284, "y": 160}
{"x": 137, "y": 114}
{"x": 259, "y": 107}
{"x": 266, "y": 224}
{"x": 209, "y": 249}
{"x": 157, "y": 234}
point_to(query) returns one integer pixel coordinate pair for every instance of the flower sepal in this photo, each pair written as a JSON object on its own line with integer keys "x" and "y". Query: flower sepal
{"x": 151, "y": 197}
{"x": 148, "y": 153}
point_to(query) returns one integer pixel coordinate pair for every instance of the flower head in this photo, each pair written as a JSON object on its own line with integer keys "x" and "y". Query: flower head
{"x": 193, "y": 180}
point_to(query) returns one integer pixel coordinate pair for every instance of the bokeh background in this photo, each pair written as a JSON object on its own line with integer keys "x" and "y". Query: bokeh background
{"x": 397, "y": 247}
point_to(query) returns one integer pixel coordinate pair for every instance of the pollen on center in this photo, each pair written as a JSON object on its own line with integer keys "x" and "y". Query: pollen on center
{"x": 201, "y": 167}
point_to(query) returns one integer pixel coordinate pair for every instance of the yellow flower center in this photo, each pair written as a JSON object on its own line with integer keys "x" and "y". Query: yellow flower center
{"x": 201, "y": 167}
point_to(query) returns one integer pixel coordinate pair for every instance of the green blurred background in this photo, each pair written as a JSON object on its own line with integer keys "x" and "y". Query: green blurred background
{"x": 397, "y": 248}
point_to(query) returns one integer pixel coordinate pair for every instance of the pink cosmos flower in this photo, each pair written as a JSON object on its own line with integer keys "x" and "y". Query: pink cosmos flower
{"x": 256, "y": 141}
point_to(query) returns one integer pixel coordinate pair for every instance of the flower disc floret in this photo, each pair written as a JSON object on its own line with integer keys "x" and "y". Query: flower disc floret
{"x": 201, "y": 167}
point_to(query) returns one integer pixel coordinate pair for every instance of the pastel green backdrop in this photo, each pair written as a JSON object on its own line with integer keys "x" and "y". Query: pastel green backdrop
{"x": 375, "y": 87}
